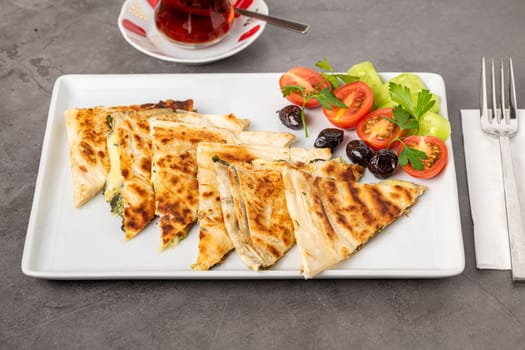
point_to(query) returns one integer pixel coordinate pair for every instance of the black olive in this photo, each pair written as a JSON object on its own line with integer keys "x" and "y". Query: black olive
{"x": 383, "y": 163}
{"x": 290, "y": 116}
{"x": 359, "y": 152}
{"x": 329, "y": 138}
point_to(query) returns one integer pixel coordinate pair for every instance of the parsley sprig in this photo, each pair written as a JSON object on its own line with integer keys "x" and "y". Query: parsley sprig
{"x": 324, "y": 95}
{"x": 406, "y": 116}
{"x": 335, "y": 79}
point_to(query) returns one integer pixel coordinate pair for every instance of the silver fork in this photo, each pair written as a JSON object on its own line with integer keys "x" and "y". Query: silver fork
{"x": 502, "y": 122}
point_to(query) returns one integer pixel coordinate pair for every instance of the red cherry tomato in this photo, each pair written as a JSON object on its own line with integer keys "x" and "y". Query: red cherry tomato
{"x": 376, "y": 130}
{"x": 358, "y": 98}
{"x": 436, "y": 151}
{"x": 307, "y": 78}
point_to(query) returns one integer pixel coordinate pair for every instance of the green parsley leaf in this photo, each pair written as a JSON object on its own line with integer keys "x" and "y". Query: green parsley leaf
{"x": 328, "y": 100}
{"x": 403, "y": 119}
{"x": 324, "y": 65}
{"x": 401, "y": 94}
{"x": 424, "y": 103}
{"x": 411, "y": 124}
{"x": 346, "y": 78}
{"x": 335, "y": 79}
{"x": 412, "y": 156}
{"x": 416, "y": 163}
{"x": 402, "y": 159}
{"x": 292, "y": 89}
{"x": 400, "y": 116}
{"x": 332, "y": 79}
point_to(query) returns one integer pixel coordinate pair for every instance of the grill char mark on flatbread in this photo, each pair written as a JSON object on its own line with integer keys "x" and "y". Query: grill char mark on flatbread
{"x": 175, "y": 168}
{"x": 384, "y": 207}
{"x": 214, "y": 242}
{"x": 369, "y": 204}
{"x": 87, "y": 129}
{"x": 358, "y": 204}
{"x": 355, "y": 212}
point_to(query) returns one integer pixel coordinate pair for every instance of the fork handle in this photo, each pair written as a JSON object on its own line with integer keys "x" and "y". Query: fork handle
{"x": 514, "y": 218}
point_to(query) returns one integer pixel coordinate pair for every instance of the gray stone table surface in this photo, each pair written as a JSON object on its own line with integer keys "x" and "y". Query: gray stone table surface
{"x": 41, "y": 40}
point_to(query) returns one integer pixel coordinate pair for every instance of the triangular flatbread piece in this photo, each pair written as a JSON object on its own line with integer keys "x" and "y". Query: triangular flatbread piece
{"x": 214, "y": 242}
{"x": 174, "y": 174}
{"x": 87, "y": 129}
{"x": 255, "y": 213}
{"x": 334, "y": 218}
{"x": 128, "y": 186}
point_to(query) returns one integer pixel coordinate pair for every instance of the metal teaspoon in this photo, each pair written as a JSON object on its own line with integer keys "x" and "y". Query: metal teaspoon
{"x": 277, "y": 21}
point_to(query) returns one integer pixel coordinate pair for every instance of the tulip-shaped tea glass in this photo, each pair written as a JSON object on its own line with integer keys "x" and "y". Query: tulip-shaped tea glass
{"x": 194, "y": 23}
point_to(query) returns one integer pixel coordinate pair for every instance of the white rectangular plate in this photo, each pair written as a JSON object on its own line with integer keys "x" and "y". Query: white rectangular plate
{"x": 67, "y": 243}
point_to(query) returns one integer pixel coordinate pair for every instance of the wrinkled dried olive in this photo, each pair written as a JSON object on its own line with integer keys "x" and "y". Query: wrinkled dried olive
{"x": 359, "y": 152}
{"x": 383, "y": 163}
{"x": 329, "y": 138}
{"x": 290, "y": 116}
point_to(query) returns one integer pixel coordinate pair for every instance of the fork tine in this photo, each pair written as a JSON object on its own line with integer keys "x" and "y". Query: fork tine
{"x": 503, "y": 103}
{"x": 495, "y": 114}
{"x": 483, "y": 93}
{"x": 512, "y": 92}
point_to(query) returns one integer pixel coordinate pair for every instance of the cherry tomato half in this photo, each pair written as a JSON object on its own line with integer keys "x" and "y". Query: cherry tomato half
{"x": 307, "y": 78}
{"x": 376, "y": 130}
{"x": 358, "y": 98}
{"x": 436, "y": 151}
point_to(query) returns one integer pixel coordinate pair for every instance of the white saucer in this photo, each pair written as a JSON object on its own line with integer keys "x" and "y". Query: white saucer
{"x": 136, "y": 23}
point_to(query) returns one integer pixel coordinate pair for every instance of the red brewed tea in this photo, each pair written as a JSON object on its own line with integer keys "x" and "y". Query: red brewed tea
{"x": 194, "y": 22}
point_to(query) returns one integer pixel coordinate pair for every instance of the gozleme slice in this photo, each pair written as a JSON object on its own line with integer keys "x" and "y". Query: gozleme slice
{"x": 128, "y": 186}
{"x": 255, "y": 213}
{"x": 214, "y": 242}
{"x": 333, "y": 218}
{"x": 174, "y": 175}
